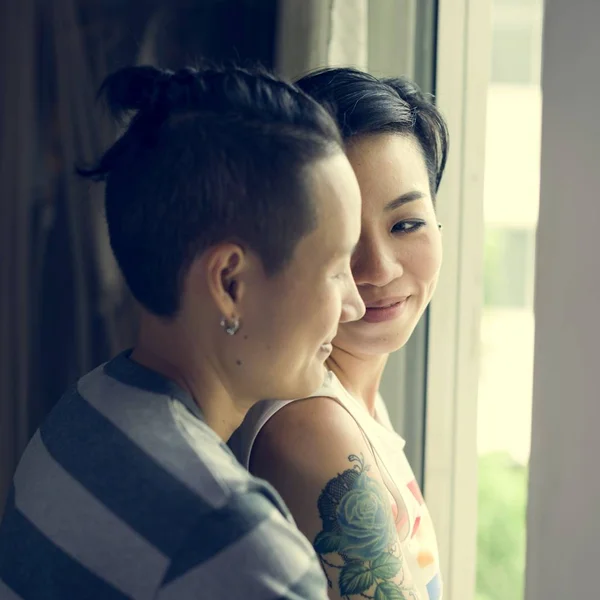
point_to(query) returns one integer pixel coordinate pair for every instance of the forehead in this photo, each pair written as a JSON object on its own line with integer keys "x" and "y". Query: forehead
{"x": 335, "y": 192}
{"x": 388, "y": 165}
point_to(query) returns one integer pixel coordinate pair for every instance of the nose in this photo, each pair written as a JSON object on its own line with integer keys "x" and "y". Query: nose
{"x": 374, "y": 264}
{"x": 353, "y": 307}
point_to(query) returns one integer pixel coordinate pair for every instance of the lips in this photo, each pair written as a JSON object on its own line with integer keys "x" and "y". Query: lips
{"x": 386, "y": 309}
{"x": 386, "y": 302}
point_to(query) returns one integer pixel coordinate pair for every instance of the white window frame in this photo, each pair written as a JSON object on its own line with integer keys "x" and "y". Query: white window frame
{"x": 462, "y": 79}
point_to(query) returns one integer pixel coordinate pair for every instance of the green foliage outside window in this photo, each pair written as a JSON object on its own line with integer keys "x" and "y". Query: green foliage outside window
{"x": 501, "y": 528}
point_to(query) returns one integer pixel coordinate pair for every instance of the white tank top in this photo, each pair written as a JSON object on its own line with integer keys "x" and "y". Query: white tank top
{"x": 414, "y": 525}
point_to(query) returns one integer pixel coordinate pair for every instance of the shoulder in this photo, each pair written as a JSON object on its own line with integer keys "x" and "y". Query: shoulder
{"x": 316, "y": 455}
{"x": 242, "y": 441}
{"x": 308, "y": 431}
{"x": 306, "y": 446}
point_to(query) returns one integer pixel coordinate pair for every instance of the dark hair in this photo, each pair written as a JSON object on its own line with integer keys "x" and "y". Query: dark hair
{"x": 211, "y": 155}
{"x": 363, "y": 104}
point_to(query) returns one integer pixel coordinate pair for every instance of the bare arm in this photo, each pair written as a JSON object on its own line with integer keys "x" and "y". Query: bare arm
{"x": 313, "y": 452}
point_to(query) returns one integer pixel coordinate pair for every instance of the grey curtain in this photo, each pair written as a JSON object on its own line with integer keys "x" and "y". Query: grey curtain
{"x": 317, "y": 33}
{"x": 63, "y": 308}
{"x": 17, "y": 111}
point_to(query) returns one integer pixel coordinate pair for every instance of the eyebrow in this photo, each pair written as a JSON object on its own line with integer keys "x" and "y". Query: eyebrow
{"x": 404, "y": 199}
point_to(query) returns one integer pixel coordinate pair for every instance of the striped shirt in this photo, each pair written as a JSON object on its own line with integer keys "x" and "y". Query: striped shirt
{"x": 125, "y": 492}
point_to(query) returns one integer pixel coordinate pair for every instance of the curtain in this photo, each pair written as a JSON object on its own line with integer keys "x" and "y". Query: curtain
{"x": 317, "y": 33}
{"x": 63, "y": 307}
{"x": 17, "y": 111}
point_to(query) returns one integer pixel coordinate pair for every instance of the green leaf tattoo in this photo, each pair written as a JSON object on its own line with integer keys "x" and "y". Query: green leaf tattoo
{"x": 355, "y": 578}
{"x": 358, "y": 526}
{"x": 327, "y": 542}
{"x": 389, "y": 591}
{"x": 386, "y": 566}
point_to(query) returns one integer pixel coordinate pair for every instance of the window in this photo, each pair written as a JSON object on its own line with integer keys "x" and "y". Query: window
{"x": 507, "y": 322}
{"x": 533, "y": 4}
{"x": 480, "y": 346}
{"x": 512, "y": 56}
{"x": 508, "y": 267}
{"x": 516, "y": 47}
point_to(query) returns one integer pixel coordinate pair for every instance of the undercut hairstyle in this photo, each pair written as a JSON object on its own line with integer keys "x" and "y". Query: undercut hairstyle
{"x": 208, "y": 156}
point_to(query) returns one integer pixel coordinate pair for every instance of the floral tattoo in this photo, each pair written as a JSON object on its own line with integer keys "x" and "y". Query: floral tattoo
{"x": 358, "y": 530}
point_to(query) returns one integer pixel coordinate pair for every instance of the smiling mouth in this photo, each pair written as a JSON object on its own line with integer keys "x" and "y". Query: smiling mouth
{"x": 385, "y": 310}
{"x": 385, "y": 305}
{"x": 386, "y": 302}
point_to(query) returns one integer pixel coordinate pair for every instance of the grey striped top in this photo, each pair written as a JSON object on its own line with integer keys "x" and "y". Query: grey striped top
{"x": 125, "y": 492}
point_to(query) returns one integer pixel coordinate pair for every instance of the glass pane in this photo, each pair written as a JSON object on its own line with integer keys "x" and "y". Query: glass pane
{"x": 518, "y": 3}
{"x": 512, "y": 57}
{"x": 507, "y": 327}
{"x": 509, "y": 254}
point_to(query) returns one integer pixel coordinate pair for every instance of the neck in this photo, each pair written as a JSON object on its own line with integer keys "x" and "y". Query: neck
{"x": 360, "y": 375}
{"x": 170, "y": 352}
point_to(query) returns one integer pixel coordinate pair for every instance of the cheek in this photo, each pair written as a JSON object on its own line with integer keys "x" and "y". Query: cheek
{"x": 321, "y": 309}
{"x": 425, "y": 261}
{"x": 325, "y": 305}
{"x": 269, "y": 316}
{"x": 311, "y": 314}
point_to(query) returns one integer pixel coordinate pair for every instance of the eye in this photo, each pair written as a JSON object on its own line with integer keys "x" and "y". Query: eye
{"x": 408, "y": 226}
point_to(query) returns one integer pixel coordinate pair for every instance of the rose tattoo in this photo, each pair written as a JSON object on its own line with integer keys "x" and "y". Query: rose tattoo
{"x": 359, "y": 527}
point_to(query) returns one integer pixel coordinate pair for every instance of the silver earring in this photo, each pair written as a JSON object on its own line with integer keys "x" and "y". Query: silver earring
{"x": 231, "y": 327}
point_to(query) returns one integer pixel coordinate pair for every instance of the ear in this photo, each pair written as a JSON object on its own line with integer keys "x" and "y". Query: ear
{"x": 225, "y": 265}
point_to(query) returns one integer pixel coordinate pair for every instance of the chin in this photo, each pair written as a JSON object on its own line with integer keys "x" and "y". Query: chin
{"x": 380, "y": 347}
{"x": 307, "y": 384}
{"x": 374, "y": 340}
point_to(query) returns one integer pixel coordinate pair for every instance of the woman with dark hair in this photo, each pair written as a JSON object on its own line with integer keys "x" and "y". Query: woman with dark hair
{"x": 232, "y": 212}
{"x": 334, "y": 456}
